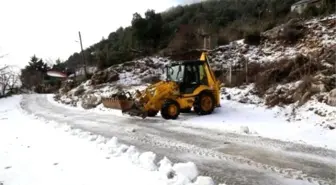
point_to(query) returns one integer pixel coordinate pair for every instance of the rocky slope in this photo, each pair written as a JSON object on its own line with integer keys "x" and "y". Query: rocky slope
{"x": 127, "y": 76}
{"x": 317, "y": 34}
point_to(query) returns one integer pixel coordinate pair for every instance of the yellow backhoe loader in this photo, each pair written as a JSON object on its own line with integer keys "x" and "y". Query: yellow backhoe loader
{"x": 189, "y": 84}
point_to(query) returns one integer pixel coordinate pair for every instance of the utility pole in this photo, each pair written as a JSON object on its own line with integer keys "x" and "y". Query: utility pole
{"x": 83, "y": 56}
{"x": 246, "y": 70}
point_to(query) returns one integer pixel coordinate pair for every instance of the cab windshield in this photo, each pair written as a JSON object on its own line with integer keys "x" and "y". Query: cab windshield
{"x": 175, "y": 73}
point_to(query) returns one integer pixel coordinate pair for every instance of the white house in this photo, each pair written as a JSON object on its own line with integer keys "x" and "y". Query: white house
{"x": 300, "y": 6}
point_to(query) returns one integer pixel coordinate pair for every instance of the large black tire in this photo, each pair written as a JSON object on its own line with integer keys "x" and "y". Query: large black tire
{"x": 170, "y": 109}
{"x": 152, "y": 113}
{"x": 204, "y": 103}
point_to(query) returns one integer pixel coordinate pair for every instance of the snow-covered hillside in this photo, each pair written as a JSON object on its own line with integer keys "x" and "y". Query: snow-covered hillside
{"x": 38, "y": 152}
{"x": 319, "y": 33}
{"x": 299, "y": 96}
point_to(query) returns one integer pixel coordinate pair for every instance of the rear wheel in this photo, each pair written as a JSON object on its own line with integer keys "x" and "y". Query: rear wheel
{"x": 170, "y": 109}
{"x": 204, "y": 103}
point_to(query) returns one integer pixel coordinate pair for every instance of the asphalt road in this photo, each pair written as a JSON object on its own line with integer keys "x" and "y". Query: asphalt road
{"x": 228, "y": 158}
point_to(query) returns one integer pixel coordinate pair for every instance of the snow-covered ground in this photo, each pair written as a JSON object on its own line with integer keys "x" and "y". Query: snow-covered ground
{"x": 39, "y": 152}
{"x": 250, "y": 119}
{"x": 255, "y": 119}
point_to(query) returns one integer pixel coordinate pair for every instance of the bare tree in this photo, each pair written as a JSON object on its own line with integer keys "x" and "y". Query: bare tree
{"x": 3, "y": 68}
{"x": 9, "y": 79}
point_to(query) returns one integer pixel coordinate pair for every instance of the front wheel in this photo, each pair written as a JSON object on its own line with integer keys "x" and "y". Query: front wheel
{"x": 170, "y": 109}
{"x": 204, "y": 103}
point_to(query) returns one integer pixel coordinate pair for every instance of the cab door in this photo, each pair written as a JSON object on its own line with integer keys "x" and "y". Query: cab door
{"x": 191, "y": 79}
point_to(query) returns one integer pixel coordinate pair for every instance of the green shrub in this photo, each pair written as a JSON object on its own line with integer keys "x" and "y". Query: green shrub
{"x": 252, "y": 38}
{"x": 292, "y": 35}
{"x": 293, "y": 31}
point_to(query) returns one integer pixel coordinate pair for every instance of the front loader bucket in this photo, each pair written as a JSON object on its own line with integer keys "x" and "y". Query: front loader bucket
{"x": 113, "y": 103}
{"x": 126, "y": 104}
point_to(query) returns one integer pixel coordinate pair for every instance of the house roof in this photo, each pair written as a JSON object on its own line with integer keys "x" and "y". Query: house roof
{"x": 305, "y": 1}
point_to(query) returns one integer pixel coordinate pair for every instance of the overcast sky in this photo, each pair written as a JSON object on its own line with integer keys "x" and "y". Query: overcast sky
{"x": 49, "y": 28}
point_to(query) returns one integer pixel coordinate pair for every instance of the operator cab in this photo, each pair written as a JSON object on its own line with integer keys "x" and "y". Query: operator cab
{"x": 188, "y": 74}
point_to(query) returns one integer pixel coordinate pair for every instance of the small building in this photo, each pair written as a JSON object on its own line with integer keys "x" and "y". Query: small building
{"x": 300, "y": 6}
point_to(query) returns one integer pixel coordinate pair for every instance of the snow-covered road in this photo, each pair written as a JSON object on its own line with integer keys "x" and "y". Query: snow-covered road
{"x": 41, "y": 152}
{"x": 226, "y": 157}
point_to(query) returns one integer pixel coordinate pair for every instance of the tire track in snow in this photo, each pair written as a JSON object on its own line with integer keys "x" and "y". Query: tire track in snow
{"x": 151, "y": 137}
{"x": 175, "y": 145}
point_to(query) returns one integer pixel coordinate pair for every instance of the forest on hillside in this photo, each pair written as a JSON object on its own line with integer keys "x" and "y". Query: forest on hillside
{"x": 154, "y": 31}
{"x": 230, "y": 19}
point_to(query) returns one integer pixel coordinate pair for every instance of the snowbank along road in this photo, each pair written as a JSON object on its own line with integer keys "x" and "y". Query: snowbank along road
{"x": 226, "y": 157}
{"x": 35, "y": 151}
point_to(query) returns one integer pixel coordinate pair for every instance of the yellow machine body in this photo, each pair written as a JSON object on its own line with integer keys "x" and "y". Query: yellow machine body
{"x": 170, "y": 97}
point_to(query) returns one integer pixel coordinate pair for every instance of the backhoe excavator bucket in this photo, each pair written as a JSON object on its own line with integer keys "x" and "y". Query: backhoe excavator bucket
{"x": 126, "y": 104}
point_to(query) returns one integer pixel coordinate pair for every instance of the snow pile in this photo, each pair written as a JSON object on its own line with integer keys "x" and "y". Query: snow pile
{"x": 313, "y": 112}
{"x": 179, "y": 173}
{"x": 188, "y": 169}
{"x": 242, "y": 94}
{"x": 140, "y": 71}
{"x": 127, "y": 76}
{"x": 89, "y": 96}
{"x": 37, "y": 151}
